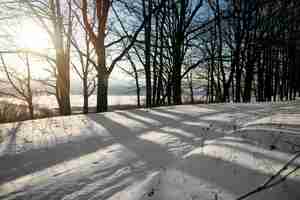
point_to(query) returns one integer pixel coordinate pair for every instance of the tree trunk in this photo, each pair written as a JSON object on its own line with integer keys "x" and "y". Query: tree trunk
{"x": 169, "y": 90}
{"x": 159, "y": 86}
{"x": 238, "y": 84}
{"x": 177, "y": 84}
{"x": 148, "y": 87}
{"x": 160, "y": 89}
{"x": 138, "y": 89}
{"x": 102, "y": 92}
{"x": 238, "y": 70}
{"x": 248, "y": 84}
{"x": 85, "y": 97}
{"x": 191, "y": 87}
{"x": 260, "y": 77}
{"x": 251, "y": 57}
{"x": 138, "y": 96}
{"x": 276, "y": 82}
{"x": 155, "y": 71}
{"x": 102, "y": 76}
{"x": 178, "y": 53}
{"x": 212, "y": 81}
{"x": 30, "y": 108}
{"x": 136, "y": 78}
{"x": 63, "y": 84}
{"x": 268, "y": 75}
{"x": 147, "y": 11}
{"x": 63, "y": 65}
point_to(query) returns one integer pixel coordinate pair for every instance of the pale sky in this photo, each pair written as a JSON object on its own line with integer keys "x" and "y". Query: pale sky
{"x": 27, "y": 34}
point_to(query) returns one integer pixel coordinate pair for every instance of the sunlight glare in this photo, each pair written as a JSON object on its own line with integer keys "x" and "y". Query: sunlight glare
{"x": 32, "y": 37}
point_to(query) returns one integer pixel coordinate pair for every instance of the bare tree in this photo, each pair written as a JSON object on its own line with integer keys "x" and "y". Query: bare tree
{"x": 97, "y": 38}
{"x": 86, "y": 69}
{"x": 52, "y": 10}
{"x": 85, "y": 72}
{"x": 134, "y": 74}
{"x": 19, "y": 82}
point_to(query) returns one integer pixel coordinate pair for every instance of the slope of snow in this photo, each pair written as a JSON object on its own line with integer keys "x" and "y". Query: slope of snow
{"x": 217, "y": 151}
{"x": 224, "y": 169}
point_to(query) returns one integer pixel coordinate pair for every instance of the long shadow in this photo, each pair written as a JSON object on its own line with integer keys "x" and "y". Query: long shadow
{"x": 12, "y": 134}
{"x": 169, "y": 121}
{"x": 193, "y": 128}
{"x": 156, "y": 116}
{"x": 131, "y": 116}
{"x": 198, "y": 132}
{"x": 89, "y": 187}
{"x": 163, "y": 120}
{"x": 273, "y": 139}
{"x": 186, "y": 117}
{"x": 235, "y": 178}
{"x": 261, "y": 110}
{"x": 14, "y": 166}
{"x": 256, "y": 154}
{"x": 183, "y": 114}
{"x": 270, "y": 131}
{"x": 86, "y": 186}
{"x": 31, "y": 161}
{"x": 249, "y": 111}
{"x": 152, "y": 153}
{"x": 178, "y": 124}
{"x": 160, "y": 121}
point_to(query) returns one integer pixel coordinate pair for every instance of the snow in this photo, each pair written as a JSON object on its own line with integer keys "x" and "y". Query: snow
{"x": 216, "y": 151}
{"x": 278, "y": 119}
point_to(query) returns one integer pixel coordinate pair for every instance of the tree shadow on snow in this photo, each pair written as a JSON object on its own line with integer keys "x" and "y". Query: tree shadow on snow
{"x": 236, "y": 179}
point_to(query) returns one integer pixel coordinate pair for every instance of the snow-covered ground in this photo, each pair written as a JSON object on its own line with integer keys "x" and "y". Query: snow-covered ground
{"x": 192, "y": 152}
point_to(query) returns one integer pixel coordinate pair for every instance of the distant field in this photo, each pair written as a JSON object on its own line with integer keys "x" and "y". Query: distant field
{"x": 77, "y": 100}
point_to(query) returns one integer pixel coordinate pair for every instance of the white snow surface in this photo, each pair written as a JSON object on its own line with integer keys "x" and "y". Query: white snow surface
{"x": 190, "y": 152}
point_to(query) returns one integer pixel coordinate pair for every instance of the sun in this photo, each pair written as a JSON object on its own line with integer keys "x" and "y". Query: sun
{"x": 33, "y": 37}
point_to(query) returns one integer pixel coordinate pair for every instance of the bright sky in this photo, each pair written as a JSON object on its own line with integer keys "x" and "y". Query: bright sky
{"x": 27, "y": 34}
{"x": 32, "y": 36}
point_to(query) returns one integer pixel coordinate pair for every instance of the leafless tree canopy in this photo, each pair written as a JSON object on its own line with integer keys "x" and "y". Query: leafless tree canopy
{"x": 234, "y": 50}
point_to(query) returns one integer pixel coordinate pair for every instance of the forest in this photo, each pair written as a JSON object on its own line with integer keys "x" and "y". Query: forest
{"x": 235, "y": 50}
{"x": 216, "y": 88}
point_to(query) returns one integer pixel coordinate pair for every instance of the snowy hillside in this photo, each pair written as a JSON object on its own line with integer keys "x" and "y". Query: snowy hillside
{"x": 192, "y": 152}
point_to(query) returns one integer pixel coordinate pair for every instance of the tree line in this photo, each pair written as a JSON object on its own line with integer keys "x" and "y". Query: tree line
{"x": 238, "y": 50}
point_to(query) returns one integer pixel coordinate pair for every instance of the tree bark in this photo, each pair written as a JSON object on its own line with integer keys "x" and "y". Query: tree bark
{"x": 147, "y": 12}
{"x": 85, "y": 96}
{"x": 102, "y": 92}
{"x": 102, "y": 76}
